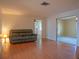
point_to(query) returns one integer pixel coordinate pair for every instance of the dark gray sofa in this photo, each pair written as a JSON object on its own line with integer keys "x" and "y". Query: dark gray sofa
{"x": 22, "y": 35}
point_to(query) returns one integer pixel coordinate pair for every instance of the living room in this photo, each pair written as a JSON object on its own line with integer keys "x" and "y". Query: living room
{"x": 22, "y": 14}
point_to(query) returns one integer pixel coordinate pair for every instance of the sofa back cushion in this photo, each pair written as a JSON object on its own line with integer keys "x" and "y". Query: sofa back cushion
{"x": 20, "y": 32}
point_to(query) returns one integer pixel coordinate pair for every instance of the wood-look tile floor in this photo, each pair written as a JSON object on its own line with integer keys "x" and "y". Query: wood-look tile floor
{"x": 32, "y": 50}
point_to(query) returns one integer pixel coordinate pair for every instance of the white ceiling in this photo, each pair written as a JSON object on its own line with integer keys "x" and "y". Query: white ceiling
{"x": 33, "y": 7}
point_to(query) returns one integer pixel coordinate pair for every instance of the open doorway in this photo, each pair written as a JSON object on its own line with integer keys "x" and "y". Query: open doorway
{"x": 38, "y": 26}
{"x": 38, "y": 31}
{"x": 67, "y": 30}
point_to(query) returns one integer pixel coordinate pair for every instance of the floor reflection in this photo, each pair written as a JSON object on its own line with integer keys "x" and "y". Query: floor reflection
{"x": 39, "y": 40}
{"x": 42, "y": 49}
{"x": 77, "y": 53}
{"x": 0, "y": 48}
{"x": 68, "y": 40}
{"x": 5, "y": 44}
{"x": 66, "y": 51}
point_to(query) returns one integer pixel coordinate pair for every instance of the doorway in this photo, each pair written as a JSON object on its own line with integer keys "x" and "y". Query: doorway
{"x": 38, "y": 26}
{"x": 38, "y": 31}
{"x": 67, "y": 30}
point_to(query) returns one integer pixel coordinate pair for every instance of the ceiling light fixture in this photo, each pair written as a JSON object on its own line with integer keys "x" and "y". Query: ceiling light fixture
{"x": 45, "y": 3}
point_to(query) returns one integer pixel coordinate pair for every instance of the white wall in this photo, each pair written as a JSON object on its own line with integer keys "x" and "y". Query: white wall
{"x": 51, "y": 23}
{"x": 44, "y": 28}
{"x": 51, "y": 27}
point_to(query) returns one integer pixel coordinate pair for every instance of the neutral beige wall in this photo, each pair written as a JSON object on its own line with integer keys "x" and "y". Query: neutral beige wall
{"x": 70, "y": 28}
{"x": 0, "y": 26}
{"x": 20, "y": 22}
{"x": 67, "y": 27}
{"x": 16, "y": 22}
{"x": 60, "y": 27}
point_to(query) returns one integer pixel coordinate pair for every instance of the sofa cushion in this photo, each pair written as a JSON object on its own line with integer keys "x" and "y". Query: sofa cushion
{"x": 25, "y": 34}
